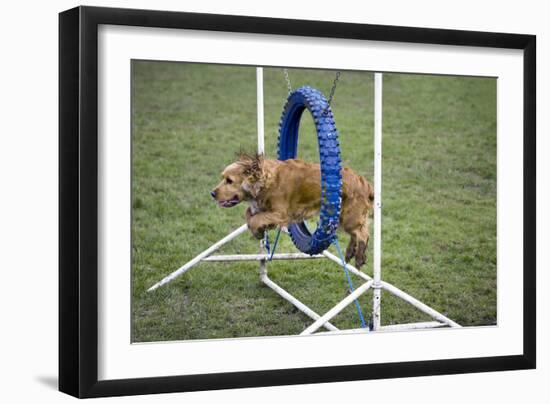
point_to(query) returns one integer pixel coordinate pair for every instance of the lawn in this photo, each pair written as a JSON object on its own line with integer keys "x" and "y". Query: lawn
{"x": 439, "y": 198}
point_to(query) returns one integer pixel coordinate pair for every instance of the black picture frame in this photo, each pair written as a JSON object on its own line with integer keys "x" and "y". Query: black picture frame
{"x": 78, "y": 200}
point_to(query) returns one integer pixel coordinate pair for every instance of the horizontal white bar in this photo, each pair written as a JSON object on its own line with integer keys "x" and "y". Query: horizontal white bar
{"x": 337, "y": 309}
{"x": 347, "y": 331}
{"x": 298, "y": 304}
{"x": 394, "y": 327}
{"x": 199, "y": 257}
{"x": 260, "y": 257}
{"x": 413, "y": 326}
{"x": 418, "y": 304}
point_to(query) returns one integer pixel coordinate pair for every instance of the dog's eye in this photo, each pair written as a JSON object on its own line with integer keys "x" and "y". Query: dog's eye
{"x": 229, "y": 181}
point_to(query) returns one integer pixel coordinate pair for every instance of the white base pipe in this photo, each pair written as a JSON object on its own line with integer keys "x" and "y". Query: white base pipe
{"x": 388, "y": 328}
{"x": 412, "y": 326}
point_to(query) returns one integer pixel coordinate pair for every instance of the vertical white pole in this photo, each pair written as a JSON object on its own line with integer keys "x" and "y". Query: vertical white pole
{"x": 377, "y": 198}
{"x": 261, "y": 147}
{"x": 260, "y": 103}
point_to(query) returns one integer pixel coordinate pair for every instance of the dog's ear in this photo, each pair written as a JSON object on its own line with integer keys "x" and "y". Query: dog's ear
{"x": 252, "y": 164}
{"x": 253, "y": 172}
{"x": 253, "y": 188}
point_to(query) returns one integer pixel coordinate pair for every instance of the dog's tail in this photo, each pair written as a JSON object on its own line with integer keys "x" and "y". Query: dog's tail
{"x": 371, "y": 192}
{"x": 368, "y": 189}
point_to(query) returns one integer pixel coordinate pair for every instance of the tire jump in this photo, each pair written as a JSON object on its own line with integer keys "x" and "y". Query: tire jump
{"x": 329, "y": 156}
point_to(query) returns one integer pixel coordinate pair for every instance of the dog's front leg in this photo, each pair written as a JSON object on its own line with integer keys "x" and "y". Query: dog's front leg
{"x": 248, "y": 214}
{"x": 260, "y": 222}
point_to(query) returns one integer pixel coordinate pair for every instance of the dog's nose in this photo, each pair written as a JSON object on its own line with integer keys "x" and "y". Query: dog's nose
{"x": 213, "y": 193}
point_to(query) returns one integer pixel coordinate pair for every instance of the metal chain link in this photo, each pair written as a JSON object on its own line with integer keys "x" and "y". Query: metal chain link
{"x": 285, "y": 71}
{"x": 332, "y": 90}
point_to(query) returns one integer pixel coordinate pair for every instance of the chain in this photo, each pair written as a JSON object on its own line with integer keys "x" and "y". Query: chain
{"x": 332, "y": 90}
{"x": 285, "y": 71}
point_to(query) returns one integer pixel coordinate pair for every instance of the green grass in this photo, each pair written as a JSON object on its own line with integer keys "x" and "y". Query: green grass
{"x": 439, "y": 198}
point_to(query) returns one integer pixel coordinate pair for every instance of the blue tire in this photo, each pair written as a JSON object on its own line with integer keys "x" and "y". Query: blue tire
{"x": 329, "y": 154}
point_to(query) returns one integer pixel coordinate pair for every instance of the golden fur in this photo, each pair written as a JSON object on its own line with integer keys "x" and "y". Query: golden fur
{"x": 283, "y": 192}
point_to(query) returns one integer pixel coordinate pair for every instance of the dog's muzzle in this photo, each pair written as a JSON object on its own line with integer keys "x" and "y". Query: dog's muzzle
{"x": 229, "y": 202}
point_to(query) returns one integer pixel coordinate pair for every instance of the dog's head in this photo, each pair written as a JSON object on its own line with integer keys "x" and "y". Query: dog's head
{"x": 241, "y": 181}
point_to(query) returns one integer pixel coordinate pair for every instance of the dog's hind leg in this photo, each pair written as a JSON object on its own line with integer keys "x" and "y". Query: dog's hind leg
{"x": 362, "y": 244}
{"x": 357, "y": 247}
{"x": 352, "y": 248}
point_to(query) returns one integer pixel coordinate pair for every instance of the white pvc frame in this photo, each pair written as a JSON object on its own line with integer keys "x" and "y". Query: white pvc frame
{"x": 375, "y": 283}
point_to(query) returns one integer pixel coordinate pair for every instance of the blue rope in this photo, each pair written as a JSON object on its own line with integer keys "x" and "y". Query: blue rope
{"x": 350, "y": 283}
{"x": 267, "y": 247}
{"x": 271, "y": 252}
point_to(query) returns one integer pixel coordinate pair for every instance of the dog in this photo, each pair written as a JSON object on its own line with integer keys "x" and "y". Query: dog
{"x": 284, "y": 192}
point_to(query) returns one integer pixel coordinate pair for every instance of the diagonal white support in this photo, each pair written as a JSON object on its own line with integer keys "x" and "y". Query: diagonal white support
{"x": 283, "y": 293}
{"x": 338, "y": 308}
{"x": 298, "y": 304}
{"x": 199, "y": 257}
{"x": 418, "y": 304}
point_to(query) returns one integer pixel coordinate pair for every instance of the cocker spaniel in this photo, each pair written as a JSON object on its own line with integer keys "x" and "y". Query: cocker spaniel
{"x": 284, "y": 192}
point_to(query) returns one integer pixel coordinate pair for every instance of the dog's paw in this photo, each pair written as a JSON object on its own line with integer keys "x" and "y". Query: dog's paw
{"x": 361, "y": 254}
{"x": 350, "y": 252}
{"x": 258, "y": 233}
{"x": 360, "y": 260}
{"x": 248, "y": 213}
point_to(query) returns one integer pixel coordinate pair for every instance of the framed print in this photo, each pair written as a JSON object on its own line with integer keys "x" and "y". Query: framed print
{"x": 251, "y": 201}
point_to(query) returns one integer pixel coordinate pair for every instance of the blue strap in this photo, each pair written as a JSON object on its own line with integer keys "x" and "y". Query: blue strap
{"x": 271, "y": 252}
{"x": 267, "y": 246}
{"x": 350, "y": 283}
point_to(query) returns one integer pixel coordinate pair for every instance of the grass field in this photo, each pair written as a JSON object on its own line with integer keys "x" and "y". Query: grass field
{"x": 439, "y": 198}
